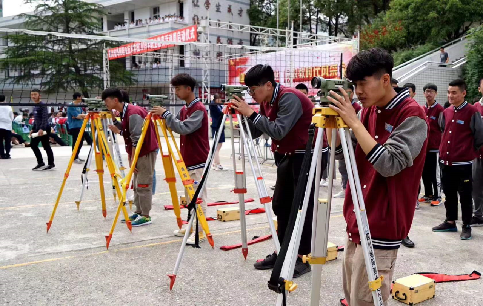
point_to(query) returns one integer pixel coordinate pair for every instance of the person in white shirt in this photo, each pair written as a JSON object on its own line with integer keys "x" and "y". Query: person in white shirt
{"x": 6, "y": 118}
{"x": 18, "y": 117}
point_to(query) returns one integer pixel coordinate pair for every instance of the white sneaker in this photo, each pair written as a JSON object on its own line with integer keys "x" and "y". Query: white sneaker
{"x": 180, "y": 232}
{"x": 324, "y": 183}
{"x": 340, "y": 194}
{"x": 191, "y": 239}
{"x": 78, "y": 161}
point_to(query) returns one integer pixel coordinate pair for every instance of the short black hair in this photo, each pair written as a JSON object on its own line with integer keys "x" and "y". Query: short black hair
{"x": 76, "y": 95}
{"x": 259, "y": 75}
{"x": 15, "y": 113}
{"x": 2, "y": 98}
{"x": 430, "y": 86}
{"x": 216, "y": 96}
{"x": 375, "y": 61}
{"x": 479, "y": 82}
{"x": 410, "y": 85}
{"x": 35, "y": 90}
{"x": 112, "y": 92}
{"x": 394, "y": 81}
{"x": 184, "y": 79}
{"x": 125, "y": 96}
{"x": 302, "y": 86}
{"x": 461, "y": 84}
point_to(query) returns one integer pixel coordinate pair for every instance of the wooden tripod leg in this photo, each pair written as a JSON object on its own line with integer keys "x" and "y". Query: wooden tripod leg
{"x": 95, "y": 125}
{"x": 67, "y": 171}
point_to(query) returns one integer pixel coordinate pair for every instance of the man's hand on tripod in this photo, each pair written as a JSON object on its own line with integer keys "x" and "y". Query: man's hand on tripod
{"x": 114, "y": 129}
{"x": 343, "y": 106}
{"x": 241, "y": 106}
{"x": 158, "y": 110}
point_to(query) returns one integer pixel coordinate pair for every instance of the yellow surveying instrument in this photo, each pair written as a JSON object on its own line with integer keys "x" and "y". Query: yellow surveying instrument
{"x": 98, "y": 117}
{"x": 172, "y": 155}
{"x": 281, "y": 279}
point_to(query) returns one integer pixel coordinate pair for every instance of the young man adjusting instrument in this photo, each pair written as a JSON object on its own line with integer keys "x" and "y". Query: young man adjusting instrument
{"x": 391, "y": 137}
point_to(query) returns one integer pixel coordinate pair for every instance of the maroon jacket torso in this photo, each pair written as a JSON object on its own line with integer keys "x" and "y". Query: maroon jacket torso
{"x": 297, "y": 138}
{"x": 457, "y": 144}
{"x": 390, "y": 201}
{"x": 432, "y": 115}
{"x": 195, "y": 146}
{"x": 150, "y": 142}
{"x": 479, "y": 107}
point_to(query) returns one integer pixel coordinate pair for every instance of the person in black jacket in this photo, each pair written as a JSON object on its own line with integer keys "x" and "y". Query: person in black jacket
{"x": 42, "y": 128}
{"x": 216, "y": 114}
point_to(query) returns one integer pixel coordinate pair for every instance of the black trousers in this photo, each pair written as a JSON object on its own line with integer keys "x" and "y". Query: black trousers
{"x": 75, "y": 133}
{"x": 5, "y": 136}
{"x": 58, "y": 140}
{"x": 458, "y": 180}
{"x": 288, "y": 171}
{"x": 34, "y": 144}
{"x": 429, "y": 175}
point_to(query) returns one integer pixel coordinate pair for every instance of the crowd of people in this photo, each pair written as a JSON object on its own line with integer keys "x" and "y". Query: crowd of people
{"x": 397, "y": 143}
{"x": 151, "y": 20}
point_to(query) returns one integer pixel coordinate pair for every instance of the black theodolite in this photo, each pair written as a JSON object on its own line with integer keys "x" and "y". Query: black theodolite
{"x": 326, "y": 85}
{"x": 95, "y": 105}
{"x": 233, "y": 90}
{"x": 156, "y": 100}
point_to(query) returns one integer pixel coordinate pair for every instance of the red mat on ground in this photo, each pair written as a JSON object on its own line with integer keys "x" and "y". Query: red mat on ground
{"x": 442, "y": 278}
{"x": 220, "y": 203}
{"x": 237, "y": 246}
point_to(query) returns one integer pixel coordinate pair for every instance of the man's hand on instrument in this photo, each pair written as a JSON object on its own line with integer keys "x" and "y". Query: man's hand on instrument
{"x": 40, "y": 132}
{"x": 241, "y": 106}
{"x": 158, "y": 110}
{"x": 343, "y": 106}
{"x": 114, "y": 129}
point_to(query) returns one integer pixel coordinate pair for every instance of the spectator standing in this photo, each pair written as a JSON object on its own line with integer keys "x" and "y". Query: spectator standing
{"x": 42, "y": 129}
{"x": 216, "y": 114}
{"x": 6, "y": 118}
{"x": 75, "y": 118}
{"x": 477, "y": 219}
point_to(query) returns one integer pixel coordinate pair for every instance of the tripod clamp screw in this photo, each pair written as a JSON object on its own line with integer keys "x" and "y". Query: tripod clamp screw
{"x": 376, "y": 284}
{"x": 290, "y": 286}
{"x": 314, "y": 260}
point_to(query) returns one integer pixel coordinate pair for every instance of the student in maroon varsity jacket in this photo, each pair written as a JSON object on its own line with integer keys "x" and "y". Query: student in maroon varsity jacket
{"x": 391, "y": 138}
{"x": 130, "y": 127}
{"x": 192, "y": 124}
{"x": 434, "y": 111}
{"x": 285, "y": 115}
{"x": 462, "y": 138}
{"x": 477, "y": 219}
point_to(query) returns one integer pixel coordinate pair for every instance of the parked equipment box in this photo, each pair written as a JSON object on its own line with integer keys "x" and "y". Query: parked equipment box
{"x": 182, "y": 201}
{"x": 413, "y": 289}
{"x": 331, "y": 251}
{"x": 228, "y": 214}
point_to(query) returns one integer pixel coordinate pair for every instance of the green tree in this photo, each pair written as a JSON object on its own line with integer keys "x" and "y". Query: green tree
{"x": 61, "y": 64}
{"x": 473, "y": 70}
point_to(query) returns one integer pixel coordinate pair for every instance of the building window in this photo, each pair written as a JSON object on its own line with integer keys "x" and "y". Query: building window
{"x": 131, "y": 16}
{"x": 181, "y": 9}
{"x": 156, "y": 12}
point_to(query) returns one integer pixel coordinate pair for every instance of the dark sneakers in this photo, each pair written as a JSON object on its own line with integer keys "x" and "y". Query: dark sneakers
{"x": 476, "y": 221}
{"x": 445, "y": 227}
{"x": 267, "y": 263}
{"x": 408, "y": 242}
{"x": 38, "y": 167}
{"x": 466, "y": 232}
{"x": 49, "y": 167}
{"x": 301, "y": 268}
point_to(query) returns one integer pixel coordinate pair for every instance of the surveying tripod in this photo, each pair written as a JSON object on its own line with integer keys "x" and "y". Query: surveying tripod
{"x": 281, "y": 279}
{"x": 107, "y": 120}
{"x": 240, "y": 183}
{"x": 100, "y": 147}
{"x": 167, "y": 158}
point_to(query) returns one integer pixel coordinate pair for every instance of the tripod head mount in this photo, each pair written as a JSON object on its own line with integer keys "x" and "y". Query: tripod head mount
{"x": 326, "y": 85}
{"x": 325, "y": 117}
{"x": 95, "y": 105}
{"x": 156, "y": 100}
{"x": 233, "y": 90}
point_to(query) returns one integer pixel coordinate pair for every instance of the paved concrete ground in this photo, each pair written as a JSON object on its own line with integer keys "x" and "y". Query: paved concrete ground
{"x": 70, "y": 265}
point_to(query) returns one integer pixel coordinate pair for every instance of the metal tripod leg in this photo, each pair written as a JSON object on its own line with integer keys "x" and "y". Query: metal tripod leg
{"x": 85, "y": 172}
{"x": 259, "y": 181}
{"x": 240, "y": 184}
{"x": 292, "y": 252}
{"x": 206, "y": 173}
{"x": 361, "y": 216}
{"x": 320, "y": 226}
